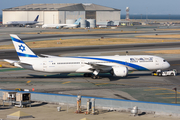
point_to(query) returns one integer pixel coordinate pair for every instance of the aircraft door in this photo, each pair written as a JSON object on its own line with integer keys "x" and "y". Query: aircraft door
{"x": 156, "y": 62}
{"x": 82, "y": 63}
{"x": 44, "y": 65}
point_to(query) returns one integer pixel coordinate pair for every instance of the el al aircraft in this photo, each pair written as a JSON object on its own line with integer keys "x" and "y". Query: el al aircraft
{"x": 89, "y": 65}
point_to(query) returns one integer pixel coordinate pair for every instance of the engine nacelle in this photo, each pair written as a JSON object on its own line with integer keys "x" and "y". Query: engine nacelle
{"x": 119, "y": 71}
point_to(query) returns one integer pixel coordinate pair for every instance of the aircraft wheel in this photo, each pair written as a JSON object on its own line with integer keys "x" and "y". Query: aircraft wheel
{"x": 159, "y": 74}
{"x": 93, "y": 76}
{"x": 98, "y": 77}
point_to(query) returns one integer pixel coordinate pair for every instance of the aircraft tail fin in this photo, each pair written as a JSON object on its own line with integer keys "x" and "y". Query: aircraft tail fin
{"x": 36, "y": 18}
{"x": 77, "y": 21}
{"x": 23, "y": 51}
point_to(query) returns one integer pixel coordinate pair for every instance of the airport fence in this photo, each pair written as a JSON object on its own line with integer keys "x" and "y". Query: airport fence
{"x": 106, "y": 103}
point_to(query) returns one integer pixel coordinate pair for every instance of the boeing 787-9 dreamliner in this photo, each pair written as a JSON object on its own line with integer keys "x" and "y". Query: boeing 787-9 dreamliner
{"x": 89, "y": 65}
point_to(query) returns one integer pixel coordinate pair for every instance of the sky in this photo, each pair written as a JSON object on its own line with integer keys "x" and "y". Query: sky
{"x": 138, "y": 7}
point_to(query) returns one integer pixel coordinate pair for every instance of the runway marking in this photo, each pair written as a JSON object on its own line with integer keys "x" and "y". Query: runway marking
{"x": 175, "y": 64}
{"x": 174, "y": 102}
{"x": 157, "y": 88}
{"x": 164, "y": 93}
{"x": 66, "y": 82}
{"x": 102, "y": 84}
{"x": 28, "y": 81}
{"x": 169, "y": 97}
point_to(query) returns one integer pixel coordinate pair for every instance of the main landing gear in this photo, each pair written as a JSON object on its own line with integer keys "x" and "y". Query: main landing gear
{"x": 95, "y": 77}
{"x": 87, "y": 74}
{"x": 91, "y": 75}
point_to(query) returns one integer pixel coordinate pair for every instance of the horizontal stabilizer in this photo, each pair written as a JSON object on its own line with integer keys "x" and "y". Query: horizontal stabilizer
{"x": 10, "y": 61}
{"x": 25, "y": 63}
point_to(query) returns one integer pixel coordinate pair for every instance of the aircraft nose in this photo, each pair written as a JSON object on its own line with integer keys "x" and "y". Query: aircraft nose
{"x": 167, "y": 65}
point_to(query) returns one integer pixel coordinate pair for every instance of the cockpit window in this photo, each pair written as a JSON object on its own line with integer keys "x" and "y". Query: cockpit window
{"x": 164, "y": 60}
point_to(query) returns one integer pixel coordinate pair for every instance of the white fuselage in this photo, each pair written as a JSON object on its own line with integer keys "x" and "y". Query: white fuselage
{"x": 84, "y": 64}
{"x": 22, "y": 22}
{"x": 58, "y": 25}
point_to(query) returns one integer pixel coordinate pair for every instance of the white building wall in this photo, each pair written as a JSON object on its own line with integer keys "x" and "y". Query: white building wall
{"x": 31, "y": 15}
{"x": 14, "y": 16}
{"x": 107, "y": 16}
{"x": 21, "y": 16}
{"x": 51, "y": 17}
{"x": 75, "y": 14}
{"x": 62, "y": 17}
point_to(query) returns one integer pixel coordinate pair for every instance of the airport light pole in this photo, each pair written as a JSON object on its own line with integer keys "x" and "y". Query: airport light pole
{"x": 175, "y": 89}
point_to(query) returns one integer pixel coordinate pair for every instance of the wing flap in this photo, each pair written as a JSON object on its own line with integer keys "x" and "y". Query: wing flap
{"x": 49, "y": 56}
{"x": 98, "y": 65}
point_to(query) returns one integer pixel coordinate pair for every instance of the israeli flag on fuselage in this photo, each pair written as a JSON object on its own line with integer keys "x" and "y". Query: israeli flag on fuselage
{"x": 23, "y": 51}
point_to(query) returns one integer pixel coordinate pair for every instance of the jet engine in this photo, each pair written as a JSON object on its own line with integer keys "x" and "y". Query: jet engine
{"x": 119, "y": 71}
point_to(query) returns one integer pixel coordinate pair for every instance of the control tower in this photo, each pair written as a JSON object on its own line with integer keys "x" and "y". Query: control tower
{"x": 127, "y": 13}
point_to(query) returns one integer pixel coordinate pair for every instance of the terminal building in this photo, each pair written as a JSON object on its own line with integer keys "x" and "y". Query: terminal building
{"x": 60, "y": 13}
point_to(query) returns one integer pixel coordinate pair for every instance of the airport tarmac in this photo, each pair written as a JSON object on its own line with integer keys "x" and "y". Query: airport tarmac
{"x": 137, "y": 86}
{"x": 130, "y": 32}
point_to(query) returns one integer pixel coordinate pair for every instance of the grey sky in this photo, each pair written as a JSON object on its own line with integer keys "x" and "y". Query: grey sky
{"x": 136, "y": 6}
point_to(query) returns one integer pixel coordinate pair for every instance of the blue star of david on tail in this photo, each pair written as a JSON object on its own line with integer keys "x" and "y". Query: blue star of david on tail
{"x": 22, "y": 48}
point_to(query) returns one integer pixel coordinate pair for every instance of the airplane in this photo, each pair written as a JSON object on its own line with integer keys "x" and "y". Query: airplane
{"x": 23, "y": 23}
{"x": 91, "y": 66}
{"x": 62, "y": 25}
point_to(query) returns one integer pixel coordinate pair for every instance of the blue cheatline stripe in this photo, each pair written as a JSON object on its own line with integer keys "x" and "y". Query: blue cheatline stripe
{"x": 137, "y": 67}
{"x": 16, "y": 40}
{"x": 26, "y": 55}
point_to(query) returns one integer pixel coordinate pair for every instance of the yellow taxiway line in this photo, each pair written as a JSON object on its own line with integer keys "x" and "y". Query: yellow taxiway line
{"x": 28, "y": 81}
{"x": 66, "y": 82}
{"x": 169, "y": 97}
{"x": 165, "y": 94}
{"x": 102, "y": 84}
{"x": 158, "y": 88}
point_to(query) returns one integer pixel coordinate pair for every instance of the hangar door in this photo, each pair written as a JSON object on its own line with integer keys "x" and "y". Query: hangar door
{"x": 90, "y": 14}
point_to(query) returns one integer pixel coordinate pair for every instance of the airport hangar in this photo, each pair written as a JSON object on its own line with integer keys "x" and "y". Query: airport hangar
{"x": 59, "y": 13}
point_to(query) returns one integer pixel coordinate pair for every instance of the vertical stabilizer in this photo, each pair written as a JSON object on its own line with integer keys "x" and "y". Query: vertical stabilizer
{"x": 23, "y": 51}
{"x": 36, "y": 18}
{"x": 77, "y": 21}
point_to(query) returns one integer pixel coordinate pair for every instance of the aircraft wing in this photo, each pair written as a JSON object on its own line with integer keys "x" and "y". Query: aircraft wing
{"x": 98, "y": 65}
{"x": 49, "y": 56}
{"x": 10, "y": 61}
